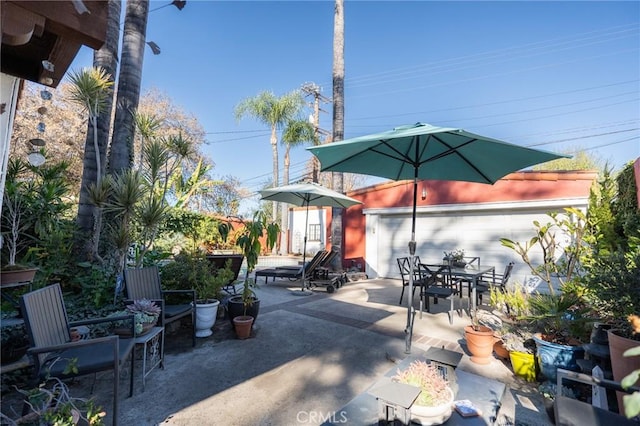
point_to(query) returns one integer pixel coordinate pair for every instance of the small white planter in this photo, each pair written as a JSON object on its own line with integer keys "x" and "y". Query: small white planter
{"x": 206, "y": 314}
{"x": 437, "y": 415}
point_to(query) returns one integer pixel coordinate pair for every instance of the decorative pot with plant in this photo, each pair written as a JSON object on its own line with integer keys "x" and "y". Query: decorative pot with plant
{"x": 434, "y": 404}
{"x": 250, "y": 240}
{"x": 454, "y": 258}
{"x": 146, "y": 314}
{"x": 480, "y": 340}
{"x": 518, "y": 340}
{"x": 564, "y": 326}
{"x": 623, "y": 343}
{"x": 192, "y": 270}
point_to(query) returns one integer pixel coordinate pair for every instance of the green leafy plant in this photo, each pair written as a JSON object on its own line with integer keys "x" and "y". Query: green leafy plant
{"x": 513, "y": 301}
{"x": 192, "y": 270}
{"x": 433, "y": 386}
{"x": 250, "y": 241}
{"x": 456, "y": 255}
{"x": 52, "y": 404}
{"x": 561, "y": 244}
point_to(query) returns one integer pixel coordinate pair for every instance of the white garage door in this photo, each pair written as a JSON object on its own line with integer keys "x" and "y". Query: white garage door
{"x": 477, "y": 229}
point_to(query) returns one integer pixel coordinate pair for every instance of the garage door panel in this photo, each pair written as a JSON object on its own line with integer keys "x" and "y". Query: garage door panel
{"x": 478, "y": 233}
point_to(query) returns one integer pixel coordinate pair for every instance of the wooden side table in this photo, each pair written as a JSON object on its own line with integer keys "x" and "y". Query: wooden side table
{"x": 152, "y": 351}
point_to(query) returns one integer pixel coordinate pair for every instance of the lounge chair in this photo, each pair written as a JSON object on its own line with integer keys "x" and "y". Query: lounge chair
{"x": 220, "y": 261}
{"x": 292, "y": 273}
{"x": 53, "y": 351}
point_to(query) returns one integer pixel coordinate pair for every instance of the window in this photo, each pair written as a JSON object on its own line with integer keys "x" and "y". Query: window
{"x": 314, "y": 232}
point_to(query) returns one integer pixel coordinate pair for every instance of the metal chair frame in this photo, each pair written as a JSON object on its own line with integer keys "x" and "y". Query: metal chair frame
{"x": 52, "y": 350}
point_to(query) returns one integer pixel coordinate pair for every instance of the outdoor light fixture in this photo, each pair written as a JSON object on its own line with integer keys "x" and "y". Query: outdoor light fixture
{"x": 424, "y": 193}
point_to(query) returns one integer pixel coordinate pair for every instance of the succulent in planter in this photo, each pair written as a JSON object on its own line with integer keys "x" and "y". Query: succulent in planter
{"x": 146, "y": 313}
{"x": 433, "y": 386}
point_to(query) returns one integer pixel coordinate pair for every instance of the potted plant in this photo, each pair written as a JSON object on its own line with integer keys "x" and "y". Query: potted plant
{"x": 250, "y": 240}
{"x": 146, "y": 313}
{"x": 563, "y": 325}
{"x": 548, "y": 391}
{"x": 518, "y": 340}
{"x": 434, "y": 404}
{"x": 192, "y": 270}
{"x": 480, "y": 340}
{"x": 16, "y": 222}
{"x": 455, "y": 258}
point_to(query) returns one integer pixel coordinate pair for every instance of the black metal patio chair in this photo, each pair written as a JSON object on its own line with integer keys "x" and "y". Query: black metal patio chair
{"x": 144, "y": 283}
{"x": 52, "y": 350}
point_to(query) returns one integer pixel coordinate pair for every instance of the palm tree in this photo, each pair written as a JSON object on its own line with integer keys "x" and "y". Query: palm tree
{"x": 133, "y": 43}
{"x": 274, "y": 112}
{"x": 92, "y": 88}
{"x": 338, "y": 114}
{"x": 105, "y": 58}
{"x": 338, "y": 83}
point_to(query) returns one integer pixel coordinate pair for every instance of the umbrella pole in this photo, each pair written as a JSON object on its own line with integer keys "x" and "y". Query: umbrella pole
{"x": 412, "y": 251}
{"x": 304, "y": 250}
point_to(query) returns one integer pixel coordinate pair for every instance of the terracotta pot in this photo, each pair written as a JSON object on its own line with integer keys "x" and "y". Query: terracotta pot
{"x": 500, "y": 351}
{"x": 17, "y": 276}
{"x": 622, "y": 365}
{"x": 242, "y": 325}
{"x": 480, "y": 343}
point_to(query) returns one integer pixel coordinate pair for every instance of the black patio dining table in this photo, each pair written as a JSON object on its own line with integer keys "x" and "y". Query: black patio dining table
{"x": 473, "y": 273}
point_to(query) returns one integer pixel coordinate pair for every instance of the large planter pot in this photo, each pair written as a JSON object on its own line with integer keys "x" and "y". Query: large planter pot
{"x": 437, "y": 415}
{"x": 552, "y": 356}
{"x": 621, "y": 365}
{"x": 524, "y": 365}
{"x": 17, "y": 276}
{"x": 480, "y": 343}
{"x": 206, "y": 314}
{"x": 235, "y": 308}
{"x": 242, "y": 325}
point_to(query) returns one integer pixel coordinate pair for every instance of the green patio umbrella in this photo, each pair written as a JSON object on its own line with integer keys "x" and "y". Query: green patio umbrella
{"x": 423, "y": 151}
{"x": 305, "y": 195}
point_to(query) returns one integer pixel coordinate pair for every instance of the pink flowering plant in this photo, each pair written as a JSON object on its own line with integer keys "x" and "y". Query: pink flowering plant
{"x": 427, "y": 377}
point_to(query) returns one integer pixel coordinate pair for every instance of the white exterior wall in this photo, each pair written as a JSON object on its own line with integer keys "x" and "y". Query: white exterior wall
{"x": 297, "y": 219}
{"x": 476, "y": 228}
{"x": 9, "y": 88}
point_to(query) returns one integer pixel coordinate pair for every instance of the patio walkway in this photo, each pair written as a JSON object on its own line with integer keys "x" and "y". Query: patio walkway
{"x": 309, "y": 357}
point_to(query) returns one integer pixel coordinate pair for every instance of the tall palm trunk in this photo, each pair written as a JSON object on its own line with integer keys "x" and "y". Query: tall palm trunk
{"x": 284, "y": 218}
{"x": 107, "y": 58}
{"x": 133, "y": 43}
{"x": 276, "y": 171}
{"x": 338, "y": 118}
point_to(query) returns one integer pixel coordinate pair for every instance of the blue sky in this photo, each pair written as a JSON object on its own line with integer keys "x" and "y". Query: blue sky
{"x": 552, "y": 75}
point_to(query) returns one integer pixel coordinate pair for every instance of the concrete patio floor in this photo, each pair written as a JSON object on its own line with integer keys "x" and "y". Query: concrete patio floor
{"x": 309, "y": 356}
